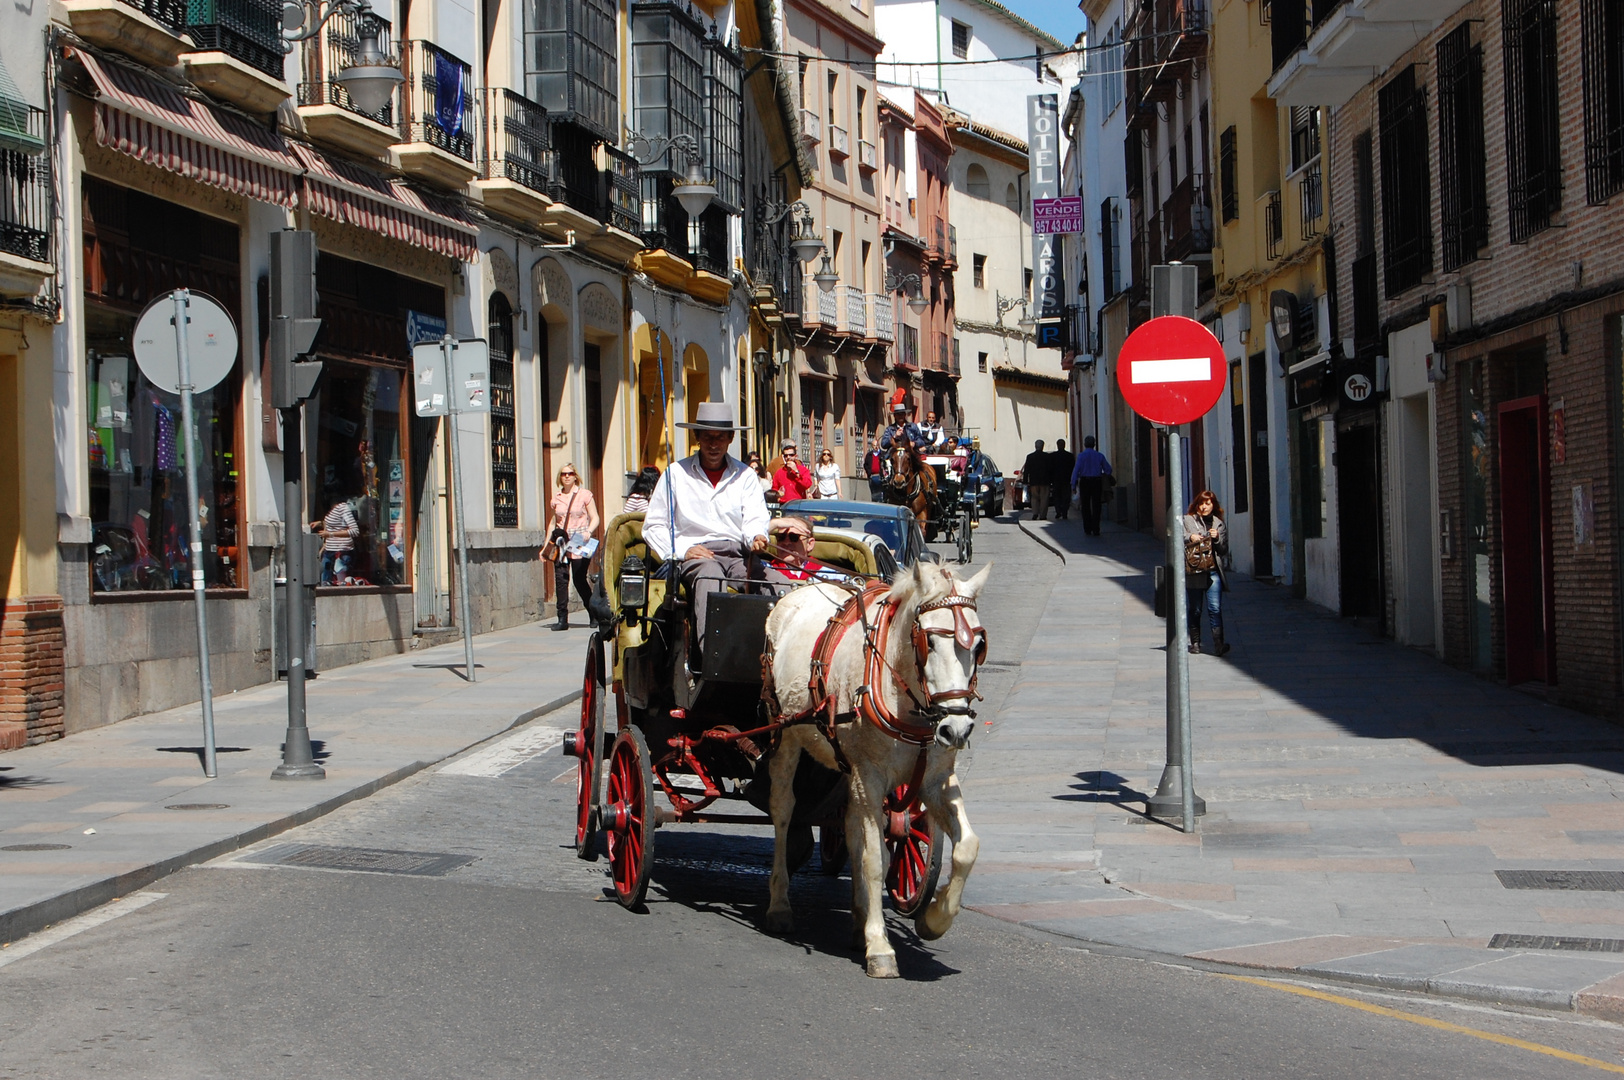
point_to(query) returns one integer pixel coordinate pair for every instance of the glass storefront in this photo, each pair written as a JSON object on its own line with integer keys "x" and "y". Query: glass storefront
{"x": 355, "y": 432}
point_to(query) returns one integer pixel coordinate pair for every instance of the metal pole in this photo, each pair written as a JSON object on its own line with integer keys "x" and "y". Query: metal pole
{"x": 183, "y": 300}
{"x": 447, "y": 348}
{"x": 1175, "y": 794}
{"x": 298, "y": 762}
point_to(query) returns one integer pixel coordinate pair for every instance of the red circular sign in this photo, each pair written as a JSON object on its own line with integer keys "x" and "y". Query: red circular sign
{"x": 1171, "y": 370}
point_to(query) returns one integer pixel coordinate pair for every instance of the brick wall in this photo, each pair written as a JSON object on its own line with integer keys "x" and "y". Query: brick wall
{"x": 30, "y": 670}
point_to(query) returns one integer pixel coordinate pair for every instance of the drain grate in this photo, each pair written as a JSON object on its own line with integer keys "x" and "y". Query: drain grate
{"x": 1568, "y": 944}
{"x": 370, "y": 860}
{"x": 36, "y": 847}
{"x": 1575, "y": 880}
{"x": 198, "y": 806}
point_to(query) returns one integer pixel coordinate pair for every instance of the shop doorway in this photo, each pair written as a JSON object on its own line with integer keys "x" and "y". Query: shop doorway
{"x": 1257, "y": 375}
{"x": 1525, "y": 543}
{"x": 1359, "y": 524}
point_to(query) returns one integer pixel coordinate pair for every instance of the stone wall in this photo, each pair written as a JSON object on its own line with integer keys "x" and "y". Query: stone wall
{"x": 30, "y": 670}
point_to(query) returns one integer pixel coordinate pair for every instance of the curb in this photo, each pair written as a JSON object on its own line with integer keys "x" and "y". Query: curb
{"x": 20, "y": 922}
{"x": 1041, "y": 538}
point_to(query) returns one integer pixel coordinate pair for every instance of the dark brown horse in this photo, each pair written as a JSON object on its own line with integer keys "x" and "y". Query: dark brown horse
{"x": 912, "y": 484}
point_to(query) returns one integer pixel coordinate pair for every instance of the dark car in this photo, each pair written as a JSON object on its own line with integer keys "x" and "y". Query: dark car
{"x": 893, "y": 524}
{"x": 992, "y": 486}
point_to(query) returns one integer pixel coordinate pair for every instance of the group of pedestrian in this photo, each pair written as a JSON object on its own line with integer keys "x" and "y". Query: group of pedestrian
{"x": 1053, "y": 477}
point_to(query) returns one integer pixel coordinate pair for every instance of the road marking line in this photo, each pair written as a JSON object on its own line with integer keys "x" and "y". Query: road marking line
{"x": 1427, "y": 1021}
{"x": 78, "y": 925}
{"x": 509, "y": 753}
{"x": 1177, "y": 369}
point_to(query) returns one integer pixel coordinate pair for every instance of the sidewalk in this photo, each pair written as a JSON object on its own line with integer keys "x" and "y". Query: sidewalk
{"x": 1365, "y": 801}
{"x": 108, "y": 811}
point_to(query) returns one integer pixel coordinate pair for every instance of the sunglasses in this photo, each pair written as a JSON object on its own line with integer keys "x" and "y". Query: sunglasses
{"x": 566, "y": 474}
{"x": 791, "y": 536}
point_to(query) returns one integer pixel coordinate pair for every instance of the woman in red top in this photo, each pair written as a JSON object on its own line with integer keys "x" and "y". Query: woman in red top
{"x": 793, "y": 480}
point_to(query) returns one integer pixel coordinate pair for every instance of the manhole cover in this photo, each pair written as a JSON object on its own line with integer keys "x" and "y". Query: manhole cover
{"x": 371, "y": 860}
{"x": 1569, "y": 944}
{"x": 198, "y": 806}
{"x": 1575, "y": 880}
{"x": 36, "y": 847}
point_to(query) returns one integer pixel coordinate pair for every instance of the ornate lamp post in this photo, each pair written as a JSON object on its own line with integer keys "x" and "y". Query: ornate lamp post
{"x": 1008, "y": 303}
{"x": 694, "y": 191}
{"x": 373, "y": 77}
{"x": 910, "y": 284}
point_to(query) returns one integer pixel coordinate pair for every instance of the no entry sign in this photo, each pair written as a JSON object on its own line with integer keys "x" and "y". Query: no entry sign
{"x": 1171, "y": 370}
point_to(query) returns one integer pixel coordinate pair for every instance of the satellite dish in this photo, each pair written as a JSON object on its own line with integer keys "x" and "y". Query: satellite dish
{"x": 211, "y": 343}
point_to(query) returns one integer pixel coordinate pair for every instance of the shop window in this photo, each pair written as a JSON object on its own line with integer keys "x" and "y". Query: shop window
{"x": 136, "y": 249}
{"x": 355, "y": 429}
{"x": 504, "y": 433}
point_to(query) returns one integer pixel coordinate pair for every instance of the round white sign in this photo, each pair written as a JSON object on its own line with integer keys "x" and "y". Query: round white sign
{"x": 1358, "y": 387}
{"x": 211, "y": 343}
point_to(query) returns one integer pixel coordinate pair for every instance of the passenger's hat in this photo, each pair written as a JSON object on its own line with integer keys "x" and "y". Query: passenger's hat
{"x": 713, "y": 416}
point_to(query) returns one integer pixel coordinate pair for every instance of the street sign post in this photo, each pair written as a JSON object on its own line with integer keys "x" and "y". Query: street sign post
{"x": 184, "y": 343}
{"x": 449, "y": 378}
{"x": 1171, "y": 371}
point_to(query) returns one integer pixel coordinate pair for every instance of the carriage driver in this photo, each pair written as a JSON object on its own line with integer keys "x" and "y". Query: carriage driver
{"x": 709, "y": 511}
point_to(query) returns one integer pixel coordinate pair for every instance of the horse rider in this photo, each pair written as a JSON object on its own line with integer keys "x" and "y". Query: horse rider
{"x": 708, "y": 511}
{"x": 901, "y": 429}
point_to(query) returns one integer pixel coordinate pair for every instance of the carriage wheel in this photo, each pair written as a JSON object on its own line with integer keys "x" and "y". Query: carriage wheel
{"x": 586, "y": 745}
{"x": 966, "y": 544}
{"x": 628, "y": 817}
{"x": 832, "y": 850}
{"x": 915, "y": 863}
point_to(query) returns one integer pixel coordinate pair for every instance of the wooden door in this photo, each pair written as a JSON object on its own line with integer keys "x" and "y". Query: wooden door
{"x": 1529, "y": 611}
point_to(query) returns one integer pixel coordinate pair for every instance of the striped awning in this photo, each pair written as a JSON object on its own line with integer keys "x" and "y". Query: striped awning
{"x": 358, "y": 196}
{"x": 154, "y": 122}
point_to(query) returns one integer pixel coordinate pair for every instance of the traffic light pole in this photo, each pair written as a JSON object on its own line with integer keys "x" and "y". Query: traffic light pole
{"x": 298, "y": 761}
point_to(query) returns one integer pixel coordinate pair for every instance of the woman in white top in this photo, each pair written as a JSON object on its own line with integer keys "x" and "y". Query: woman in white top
{"x": 828, "y": 476}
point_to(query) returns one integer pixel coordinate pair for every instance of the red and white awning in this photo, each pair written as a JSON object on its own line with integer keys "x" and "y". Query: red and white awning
{"x": 154, "y": 122}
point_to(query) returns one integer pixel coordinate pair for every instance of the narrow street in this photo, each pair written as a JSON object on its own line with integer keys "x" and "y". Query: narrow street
{"x": 513, "y": 963}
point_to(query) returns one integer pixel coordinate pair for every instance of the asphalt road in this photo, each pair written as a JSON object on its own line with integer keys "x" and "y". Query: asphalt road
{"x": 514, "y": 965}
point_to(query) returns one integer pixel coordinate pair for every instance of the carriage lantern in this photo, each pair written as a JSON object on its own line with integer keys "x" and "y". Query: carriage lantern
{"x": 632, "y": 584}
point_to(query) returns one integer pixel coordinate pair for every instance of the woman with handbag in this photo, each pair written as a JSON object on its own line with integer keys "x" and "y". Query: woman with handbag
{"x": 1206, "y": 542}
{"x": 574, "y": 522}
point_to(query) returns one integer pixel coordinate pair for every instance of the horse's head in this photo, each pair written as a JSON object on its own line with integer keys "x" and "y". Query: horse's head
{"x": 949, "y": 644}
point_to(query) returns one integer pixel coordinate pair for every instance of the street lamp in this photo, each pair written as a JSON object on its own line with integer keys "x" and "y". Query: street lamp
{"x": 1008, "y": 303}
{"x": 805, "y": 243}
{"x": 372, "y": 79}
{"x": 694, "y": 191}
{"x": 826, "y": 277}
{"x": 913, "y": 286}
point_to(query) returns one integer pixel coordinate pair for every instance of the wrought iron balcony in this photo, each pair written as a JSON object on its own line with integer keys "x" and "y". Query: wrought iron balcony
{"x": 248, "y": 30}
{"x": 337, "y": 47}
{"x": 440, "y": 100}
{"x": 856, "y": 311}
{"x": 1188, "y": 215}
{"x": 1274, "y": 225}
{"x": 26, "y": 200}
{"x": 171, "y": 14}
{"x": 882, "y": 317}
{"x": 622, "y": 201}
{"x": 518, "y": 139}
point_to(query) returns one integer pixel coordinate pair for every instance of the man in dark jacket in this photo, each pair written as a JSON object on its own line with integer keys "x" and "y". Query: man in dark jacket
{"x": 1035, "y": 474}
{"x": 1061, "y": 462}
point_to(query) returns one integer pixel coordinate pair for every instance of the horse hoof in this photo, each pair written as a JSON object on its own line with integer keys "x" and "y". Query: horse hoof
{"x": 780, "y": 922}
{"x": 883, "y": 967}
{"x": 923, "y": 928}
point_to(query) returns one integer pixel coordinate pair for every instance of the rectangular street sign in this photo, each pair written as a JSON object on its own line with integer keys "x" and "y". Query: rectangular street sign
{"x": 1064, "y": 215}
{"x": 429, "y": 380}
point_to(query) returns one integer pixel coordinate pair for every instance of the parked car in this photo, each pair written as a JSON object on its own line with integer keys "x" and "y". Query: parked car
{"x": 895, "y": 525}
{"x": 992, "y": 486}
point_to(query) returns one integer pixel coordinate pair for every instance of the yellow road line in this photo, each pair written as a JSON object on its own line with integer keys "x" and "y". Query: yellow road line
{"x": 1427, "y": 1021}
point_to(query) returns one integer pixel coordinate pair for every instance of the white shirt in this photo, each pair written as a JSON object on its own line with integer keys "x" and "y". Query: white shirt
{"x": 828, "y": 480}
{"x": 731, "y": 512}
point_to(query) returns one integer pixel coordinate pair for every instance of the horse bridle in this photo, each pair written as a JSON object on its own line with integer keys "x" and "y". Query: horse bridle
{"x": 935, "y": 708}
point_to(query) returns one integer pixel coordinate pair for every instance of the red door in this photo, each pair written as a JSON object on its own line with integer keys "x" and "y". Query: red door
{"x": 1525, "y": 543}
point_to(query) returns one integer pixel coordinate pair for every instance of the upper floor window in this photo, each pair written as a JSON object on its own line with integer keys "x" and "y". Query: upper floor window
{"x": 569, "y": 63}
{"x": 1406, "y": 182}
{"x": 1603, "y": 42}
{"x": 1305, "y": 135}
{"x": 978, "y": 270}
{"x": 1112, "y": 58}
{"x": 1463, "y": 188}
{"x": 1533, "y": 138}
{"x": 961, "y": 40}
{"x": 724, "y": 122}
{"x": 1228, "y": 179}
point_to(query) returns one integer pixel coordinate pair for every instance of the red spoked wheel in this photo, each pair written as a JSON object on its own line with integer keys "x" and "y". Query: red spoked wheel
{"x": 586, "y": 745}
{"x": 915, "y": 862}
{"x": 628, "y": 817}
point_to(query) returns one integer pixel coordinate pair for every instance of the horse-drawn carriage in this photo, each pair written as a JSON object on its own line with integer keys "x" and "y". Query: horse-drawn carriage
{"x": 693, "y": 730}
{"x": 946, "y": 505}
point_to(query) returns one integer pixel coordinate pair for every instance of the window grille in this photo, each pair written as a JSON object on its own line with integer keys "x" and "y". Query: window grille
{"x": 961, "y": 41}
{"x": 1464, "y": 190}
{"x": 504, "y": 440}
{"x": 724, "y": 100}
{"x": 1406, "y": 182}
{"x": 1533, "y": 138}
{"x": 1228, "y": 177}
{"x": 1603, "y": 45}
{"x": 1274, "y": 225}
{"x": 668, "y": 81}
{"x": 1310, "y": 201}
{"x": 570, "y": 63}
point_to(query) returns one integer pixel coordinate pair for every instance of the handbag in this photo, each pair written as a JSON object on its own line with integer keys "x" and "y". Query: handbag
{"x": 550, "y": 551}
{"x": 1198, "y": 556}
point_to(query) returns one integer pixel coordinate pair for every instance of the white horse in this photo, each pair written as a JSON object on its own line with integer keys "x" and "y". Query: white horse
{"x": 915, "y": 651}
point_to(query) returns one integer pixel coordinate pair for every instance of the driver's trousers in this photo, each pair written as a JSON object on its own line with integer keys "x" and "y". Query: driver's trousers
{"x": 733, "y": 564}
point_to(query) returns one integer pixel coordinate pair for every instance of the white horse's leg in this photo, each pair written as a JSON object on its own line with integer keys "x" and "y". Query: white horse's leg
{"x": 868, "y": 869}
{"x": 781, "y": 769}
{"x": 947, "y": 806}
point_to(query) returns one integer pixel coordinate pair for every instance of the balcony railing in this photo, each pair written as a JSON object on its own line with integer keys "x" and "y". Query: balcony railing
{"x": 953, "y": 243}
{"x": 866, "y": 158}
{"x": 248, "y": 30}
{"x": 622, "y": 199}
{"x": 576, "y": 180}
{"x": 856, "y": 312}
{"x": 1188, "y": 214}
{"x": 1274, "y": 225}
{"x": 828, "y": 305}
{"x": 882, "y": 316}
{"x": 1310, "y": 201}
{"x": 517, "y": 139}
{"x": 838, "y": 146}
{"x": 170, "y": 13}
{"x": 337, "y": 47}
{"x": 811, "y": 126}
{"x": 440, "y": 100}
{"x": 25, "y": 197}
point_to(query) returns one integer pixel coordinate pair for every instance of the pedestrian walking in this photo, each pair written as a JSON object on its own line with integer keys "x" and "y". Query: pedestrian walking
{"x": 1206, "y": 544}
{"x": 642, "y": 488}
{"x": 793, "y": 479}
{"x": 1035, "y": 475}
{"x": 1061, "y": 463}
{"x": 338, "y": 530}
{"x": 827, "y": 476}
{"x": 569, "y": 540}
{"x": 874, "y": 465}
{"x": 1089, "y": 477}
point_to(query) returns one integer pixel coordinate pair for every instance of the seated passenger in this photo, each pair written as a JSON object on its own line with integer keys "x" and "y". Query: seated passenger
{"x": 707, "y": 511}
{"x": 789, "y": 562}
